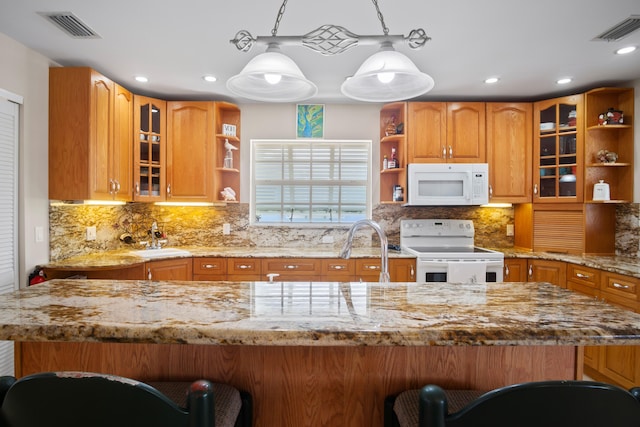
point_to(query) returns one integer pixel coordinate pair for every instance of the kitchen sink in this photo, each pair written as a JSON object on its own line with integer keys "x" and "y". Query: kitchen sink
{"x": 160, "y": 253}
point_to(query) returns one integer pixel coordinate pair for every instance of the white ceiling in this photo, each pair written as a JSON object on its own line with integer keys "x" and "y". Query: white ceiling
{"x": 528, "y": 45}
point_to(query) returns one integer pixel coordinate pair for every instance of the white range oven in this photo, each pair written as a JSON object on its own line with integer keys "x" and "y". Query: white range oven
{"x": 446, "y": 252}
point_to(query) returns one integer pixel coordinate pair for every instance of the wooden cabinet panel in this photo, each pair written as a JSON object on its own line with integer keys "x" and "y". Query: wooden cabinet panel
{"x": 509, "y": 145}
{"x": 89, "y": 128}
{"x": 337, "y": 269}
{"x": 554, "y": 272}
{"x": 240, "y": 269}
{"x": 133, "y": 272}
{"x": 304, "y": 269}
{"x": 150, "y": 149}
{"x": 466, "y": 132}
{"x": 170, "y": 269}
{"x": 190, "y": 151}
{"x": 210, "y": 268}
{"x": 427, "y": 132}
{"x": 402, "y": 269}
{"x": 515, "y": 270}
{"x": 620, "y": 364}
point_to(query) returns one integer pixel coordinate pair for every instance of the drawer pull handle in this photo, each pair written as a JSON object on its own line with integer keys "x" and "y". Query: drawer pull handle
{"x": 243, "y": 266}
{"x": 619, "y": 286}
{"x": 372, "y": 267}
{"x": 583, "y": 276}
{"x": 208, "y": 266}
{"x": 291, "y": 267}
{"x": 338, "y": 267}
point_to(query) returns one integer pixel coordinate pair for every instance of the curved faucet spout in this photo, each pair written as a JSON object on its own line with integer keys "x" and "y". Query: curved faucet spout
{"x": 384, "y": 251}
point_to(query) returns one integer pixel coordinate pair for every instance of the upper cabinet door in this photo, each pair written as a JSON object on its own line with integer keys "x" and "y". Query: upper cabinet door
{"x": 466, "y": 137}
{"x": 190, "y": 151}
{"x": 440, "y": 132}
{"x": 122, "y": 152}
{"x": 101, "y": 137}
{"x": 149, "y": 152}
{"x": 509, "y": 145}
{"x": 427, "y": 132}
{"x": 558, "y": 150}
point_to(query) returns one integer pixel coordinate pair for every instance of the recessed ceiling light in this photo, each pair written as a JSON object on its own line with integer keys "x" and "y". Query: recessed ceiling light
{"x": 209, "y": 78}
{"x": 141, "y": 79}
{"x": 491, "y": 80}
{"x": 625, "y": 50}
{"x": 564, "y": 81}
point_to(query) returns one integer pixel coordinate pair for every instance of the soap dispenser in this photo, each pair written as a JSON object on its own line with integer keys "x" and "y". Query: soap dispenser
{"x": 601, "y": 191}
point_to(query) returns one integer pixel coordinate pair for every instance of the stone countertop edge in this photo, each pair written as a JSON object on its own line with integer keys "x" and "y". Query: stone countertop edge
{"x": 324, "y": 314}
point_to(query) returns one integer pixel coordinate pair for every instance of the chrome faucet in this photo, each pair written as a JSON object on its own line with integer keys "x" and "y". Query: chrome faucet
{"x": 384, "y": 250}
{"x": 155, "y": 244}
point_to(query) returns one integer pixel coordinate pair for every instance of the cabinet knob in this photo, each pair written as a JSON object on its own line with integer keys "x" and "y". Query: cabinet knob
{"x": 490, "y": 192}
{"x": 506, "y": 271}
{"x": 372, "y": 267}
{"x": 450, "y": 152}
{"x": 168, "y": 190}
{"x": 531, "y": 271}
{"x": 338, "y": 267}
{"x": 412, "y": 272}
{"x": 137, "y": 188}
{"x": 208, "y": 266}
{"x": 535, "y": 188}
{"x": 243, "y": 266}
{"x": 444, "y": 152}
{"x": 149, "y": 274}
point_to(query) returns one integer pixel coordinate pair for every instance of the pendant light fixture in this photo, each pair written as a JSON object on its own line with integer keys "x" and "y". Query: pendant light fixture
{"x": 386, "y": 76}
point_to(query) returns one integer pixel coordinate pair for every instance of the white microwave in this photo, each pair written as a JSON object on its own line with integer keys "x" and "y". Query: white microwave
{"x": 447, "y": 184}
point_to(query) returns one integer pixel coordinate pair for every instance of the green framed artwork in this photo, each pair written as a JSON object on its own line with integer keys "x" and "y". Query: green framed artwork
{"x": 310, "y": 121}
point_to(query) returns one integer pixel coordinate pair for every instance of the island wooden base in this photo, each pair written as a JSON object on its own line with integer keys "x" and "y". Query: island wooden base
{"x": 311, "y": 386}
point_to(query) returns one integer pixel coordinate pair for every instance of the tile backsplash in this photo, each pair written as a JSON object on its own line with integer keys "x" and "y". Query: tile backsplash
{"x": 202, "y": 226}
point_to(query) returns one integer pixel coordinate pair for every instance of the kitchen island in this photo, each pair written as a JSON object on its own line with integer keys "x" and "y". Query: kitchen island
{"x": 312, "y": 353}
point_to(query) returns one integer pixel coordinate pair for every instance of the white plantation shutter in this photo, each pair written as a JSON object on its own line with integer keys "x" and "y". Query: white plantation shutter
{"x": 9, "y": 123}
{"x": 316, "y": 181}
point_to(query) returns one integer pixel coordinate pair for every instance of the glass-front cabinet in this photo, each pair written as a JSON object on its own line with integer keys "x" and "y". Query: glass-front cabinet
{"x": 149, "y": 149}
{"x": 558, "y": 150}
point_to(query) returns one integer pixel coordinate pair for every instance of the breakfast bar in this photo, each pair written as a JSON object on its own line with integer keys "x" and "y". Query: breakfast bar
{"x": 312, "y": 353}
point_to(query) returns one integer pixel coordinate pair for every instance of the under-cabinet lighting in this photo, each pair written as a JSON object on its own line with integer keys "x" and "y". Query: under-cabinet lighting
{"x": 188, "y": 204}
{"x": 86, "y": 202}
{"x": 497, "y": 205}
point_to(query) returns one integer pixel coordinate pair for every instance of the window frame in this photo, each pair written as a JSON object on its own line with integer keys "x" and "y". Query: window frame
{"x": 316, "y": 224}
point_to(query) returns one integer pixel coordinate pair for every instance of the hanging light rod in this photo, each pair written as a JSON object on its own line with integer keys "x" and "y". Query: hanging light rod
{"x": 272, "y": 76}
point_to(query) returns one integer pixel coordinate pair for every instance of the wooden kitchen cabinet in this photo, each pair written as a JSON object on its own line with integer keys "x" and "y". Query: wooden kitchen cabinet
{"x": 226, "y": 175}
{"x": 554, "y": 272}
{"x": 150, "y": 149}
{"x": 89, "y": 136}
{"x": 446, "y": 132}
{"x": 170, "y": 269}
{"x": 558, "y": 150}
{"x": 515, "y": 270}
{"x": 190, "y": 151}
{"x": 131, "y": 272}
{"x": 616, "y": 138}
{"x": 209, "y": 268}
{"x": 292, "y": 269}
{"x": 509, "y": 147}
{"x": 241, "y": 269}
{"x": 400, "y": 269}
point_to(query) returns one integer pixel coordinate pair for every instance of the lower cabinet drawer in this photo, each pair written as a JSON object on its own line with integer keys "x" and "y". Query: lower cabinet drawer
{"x": 622, "y": 286}
{"x": 585, "y": 276}
{"x": 210, "y": 266}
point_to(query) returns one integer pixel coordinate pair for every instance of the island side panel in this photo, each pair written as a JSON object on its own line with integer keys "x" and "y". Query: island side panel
{"x": 314, "y": 386}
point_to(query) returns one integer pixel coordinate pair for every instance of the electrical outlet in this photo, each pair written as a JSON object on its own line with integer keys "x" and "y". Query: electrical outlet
{"x": 510, "y": 230}
{"x": 91, "y": 233}
{"x": 226, "y": 229}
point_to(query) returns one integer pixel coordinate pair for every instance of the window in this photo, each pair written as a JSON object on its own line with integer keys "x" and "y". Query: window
{"x": 313, "y": 182}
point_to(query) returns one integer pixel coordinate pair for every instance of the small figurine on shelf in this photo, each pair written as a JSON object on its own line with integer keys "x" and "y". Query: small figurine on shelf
{"x": 228, "y": 195}
{"x": 393, "y": 162}
{"x": 605, "y": 156}
{"x": 228, "y": 158}
{"x": 391, "y": 128}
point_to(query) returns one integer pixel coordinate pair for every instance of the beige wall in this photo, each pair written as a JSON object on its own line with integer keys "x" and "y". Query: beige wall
{"x": 342, "y": 121}
{"x": 26, "y": 73}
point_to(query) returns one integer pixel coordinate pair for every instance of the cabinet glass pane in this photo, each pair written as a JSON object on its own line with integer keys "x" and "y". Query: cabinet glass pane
{"x": 155, "y": 181}
{"x": 548, "y": 119}
{"x": 144, "y": 181}
{"x": 144, "y": 118}
{"x": 144, "y": 152}
{"x": 155, "y": 153}
{"x": 567, "y": 117}
{"x": 155, "y": 119}
{"x": 547, "y": 187}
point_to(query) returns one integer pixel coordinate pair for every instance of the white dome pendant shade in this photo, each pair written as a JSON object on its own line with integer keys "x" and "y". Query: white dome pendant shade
{"x": 272, "y": 77}
{"x": 387, "y": 76}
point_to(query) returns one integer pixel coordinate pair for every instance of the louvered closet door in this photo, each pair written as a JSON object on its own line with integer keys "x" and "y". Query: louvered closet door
{"x": 9, "y": 120}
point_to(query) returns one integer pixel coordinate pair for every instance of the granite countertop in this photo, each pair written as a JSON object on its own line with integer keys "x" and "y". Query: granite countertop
{"x": 123, "y": 258}
{"x": 312, "y": 314}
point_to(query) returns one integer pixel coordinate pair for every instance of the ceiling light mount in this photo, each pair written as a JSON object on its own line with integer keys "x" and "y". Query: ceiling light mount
{"x": 332, "y": 40}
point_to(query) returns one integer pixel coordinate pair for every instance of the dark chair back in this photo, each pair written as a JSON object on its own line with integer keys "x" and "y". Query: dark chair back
{"x": 548, "y": 403}
{"x": 82, "y": 399}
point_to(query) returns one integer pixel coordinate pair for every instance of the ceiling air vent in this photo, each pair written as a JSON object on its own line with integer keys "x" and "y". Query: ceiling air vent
{"x": 621, "y": 29}
{"x": 70, "y": 24}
